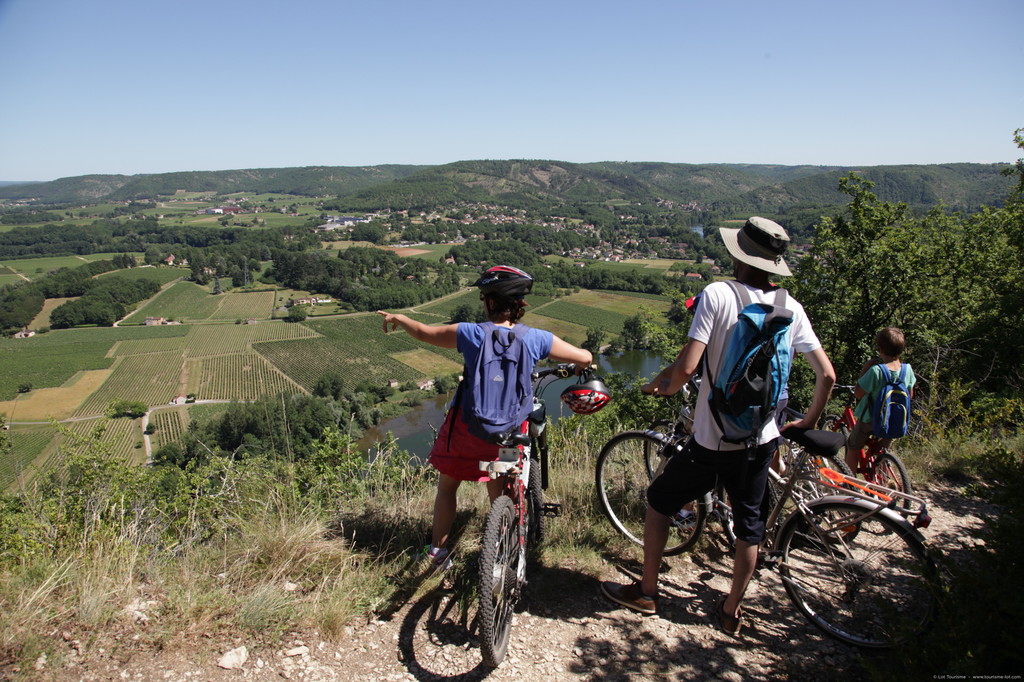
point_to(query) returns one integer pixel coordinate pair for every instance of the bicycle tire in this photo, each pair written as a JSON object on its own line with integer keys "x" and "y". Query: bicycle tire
{"x": 857, "y": 574}
{"x": 535, "y": 522}
{"x": 833, "y": 422}
{"x": 890, "y": 472}
{"x": 622, "y": 476}
{"x": 499, "y": 579}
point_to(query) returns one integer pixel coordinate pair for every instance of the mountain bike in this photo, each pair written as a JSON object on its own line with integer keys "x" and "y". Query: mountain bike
{"x": 629, "y": 462}
{"x": 875, "y": 462}
{"x": 853, "y": 562}
{"x": 515, "y": 519}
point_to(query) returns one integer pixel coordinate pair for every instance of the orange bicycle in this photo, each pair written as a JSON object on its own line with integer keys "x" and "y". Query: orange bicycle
{"x": 875, "y": 463}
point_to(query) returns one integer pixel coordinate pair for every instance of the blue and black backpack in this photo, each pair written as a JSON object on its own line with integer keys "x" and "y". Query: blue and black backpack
{"x": 497, "y": 391}
{"x": 754, "y": 367}
{"x": 890, "y": 414}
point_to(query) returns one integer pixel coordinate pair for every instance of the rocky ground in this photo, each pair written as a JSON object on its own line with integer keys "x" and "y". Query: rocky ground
{"x": 564, "y": 630}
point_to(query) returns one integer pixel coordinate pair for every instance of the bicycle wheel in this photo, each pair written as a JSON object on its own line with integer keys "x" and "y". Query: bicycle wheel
{"x": 499, "y": 579}
{"x": 857, "y": 574}
{"x": 890, "y": 472}
{"x": 535, "y": 504}
{"x": 833, "y": 422}
{"x": 624, "y": 471}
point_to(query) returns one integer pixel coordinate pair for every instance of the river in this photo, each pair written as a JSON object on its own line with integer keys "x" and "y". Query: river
{"x": 415, "y": 429}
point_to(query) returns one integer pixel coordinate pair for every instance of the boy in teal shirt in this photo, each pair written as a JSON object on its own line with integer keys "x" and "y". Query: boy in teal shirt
{"x": 890, "y": 343}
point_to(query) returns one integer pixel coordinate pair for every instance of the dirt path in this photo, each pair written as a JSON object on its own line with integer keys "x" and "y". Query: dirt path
{"x": 564, "y": 630}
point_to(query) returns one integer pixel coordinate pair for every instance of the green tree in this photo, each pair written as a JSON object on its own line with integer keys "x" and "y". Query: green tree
{"x": 297, "y": 313}
{"x": 595, "y": 339}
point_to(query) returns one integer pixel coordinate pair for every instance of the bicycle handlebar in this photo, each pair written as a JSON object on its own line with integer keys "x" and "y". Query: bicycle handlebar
{"x": 562, "y": 370}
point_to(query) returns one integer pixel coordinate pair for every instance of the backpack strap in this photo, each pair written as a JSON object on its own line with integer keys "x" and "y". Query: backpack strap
{"x": 743, "y": 299}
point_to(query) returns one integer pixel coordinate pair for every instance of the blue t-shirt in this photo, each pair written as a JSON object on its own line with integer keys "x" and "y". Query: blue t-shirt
{"x": 470, "y": 336}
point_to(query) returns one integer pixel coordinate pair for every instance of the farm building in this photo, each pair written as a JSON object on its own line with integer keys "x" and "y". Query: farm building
{"x": 24, "y": 334}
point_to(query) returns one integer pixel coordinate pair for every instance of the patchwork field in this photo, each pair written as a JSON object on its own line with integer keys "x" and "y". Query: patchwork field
{"x": 354, "y": 347}
{"x": 55, "y": 403}
{"x": 49, "y": 360}
{"x": 77, "y": 373}
{"x": 616, "y": 302}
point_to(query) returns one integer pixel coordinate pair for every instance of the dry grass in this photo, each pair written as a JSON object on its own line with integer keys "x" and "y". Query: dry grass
{"x": 57, "y": 403}
{"x": 427, "y": 363}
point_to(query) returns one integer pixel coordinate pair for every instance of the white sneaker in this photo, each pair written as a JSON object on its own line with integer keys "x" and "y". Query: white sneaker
{"x": 439, "y": 557}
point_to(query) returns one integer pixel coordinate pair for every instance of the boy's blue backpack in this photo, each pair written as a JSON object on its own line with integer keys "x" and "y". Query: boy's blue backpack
{"x": 754, "y": 367}
{"x": 890, "y": 416}
{"x": 499, "y": 393}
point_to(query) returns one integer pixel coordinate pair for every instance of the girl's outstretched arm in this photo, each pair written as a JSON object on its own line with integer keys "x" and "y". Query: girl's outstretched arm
{"x": 443, "y": 336}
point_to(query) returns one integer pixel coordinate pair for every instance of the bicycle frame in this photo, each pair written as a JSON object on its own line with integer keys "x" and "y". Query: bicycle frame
{"x": 868, "y": 455}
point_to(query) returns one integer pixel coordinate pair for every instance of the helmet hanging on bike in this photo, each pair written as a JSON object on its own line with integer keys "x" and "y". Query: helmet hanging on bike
{"x": 587, "y": 397}
{"x": 505, "y": 281}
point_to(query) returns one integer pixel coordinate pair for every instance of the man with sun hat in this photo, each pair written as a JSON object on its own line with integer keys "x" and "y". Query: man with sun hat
{"x": 758, "y": 251}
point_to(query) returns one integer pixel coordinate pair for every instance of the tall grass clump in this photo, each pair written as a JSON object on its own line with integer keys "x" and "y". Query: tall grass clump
{"x": 234, "y": 545}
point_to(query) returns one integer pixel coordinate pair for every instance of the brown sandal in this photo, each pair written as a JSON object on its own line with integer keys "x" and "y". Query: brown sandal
{"x": 730, "y": 625}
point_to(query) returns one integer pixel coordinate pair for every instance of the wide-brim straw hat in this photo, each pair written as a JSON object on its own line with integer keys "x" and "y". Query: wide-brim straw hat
{"x": 760, "y": 243}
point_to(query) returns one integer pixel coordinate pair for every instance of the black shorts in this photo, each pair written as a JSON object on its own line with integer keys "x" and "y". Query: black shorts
{"x": 694, "y": 470}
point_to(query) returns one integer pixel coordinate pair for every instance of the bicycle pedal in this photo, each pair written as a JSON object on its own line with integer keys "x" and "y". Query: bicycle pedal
{"x": 551, "y": 509}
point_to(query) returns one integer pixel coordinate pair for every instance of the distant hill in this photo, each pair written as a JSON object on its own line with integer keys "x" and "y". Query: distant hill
{"x": 540, "y": 184}
{"x": 327, "y": 181}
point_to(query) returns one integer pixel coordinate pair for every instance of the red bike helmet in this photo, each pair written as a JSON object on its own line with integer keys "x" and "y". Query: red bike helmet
{"x": 505, "y": 281}
{"x": 587, "y": 398}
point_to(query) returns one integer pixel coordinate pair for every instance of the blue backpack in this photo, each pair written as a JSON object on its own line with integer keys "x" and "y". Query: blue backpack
{"x": 754, "y": 367}
{"x": 890, "y": 414}
{"x": 499, "y": 392}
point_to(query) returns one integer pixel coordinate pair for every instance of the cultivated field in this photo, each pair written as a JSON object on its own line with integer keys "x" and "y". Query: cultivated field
{"x": 55, "y": 403}
{"x": 161, "y": 275}
{"x": 239, "y": 376}
{"x": 43, "y": 318}
{"x": 36, "y": 267}
{"x": 354, "y": 347}
{"x": 49, "y": 360}
{"x": 169, "y": 424}
{"x": 183, "y": 302}
{"x": 153, "y": 379}
{"x": 78, "y": 373}
{"x": 28, "y": 443}
{"x": 568, "y": 311}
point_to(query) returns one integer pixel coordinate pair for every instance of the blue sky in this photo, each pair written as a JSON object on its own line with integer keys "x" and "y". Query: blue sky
{"x": 133, "y": 86}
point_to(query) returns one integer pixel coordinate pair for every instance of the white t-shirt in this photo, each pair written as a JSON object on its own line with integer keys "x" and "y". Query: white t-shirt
{"x": 716, "y": 311}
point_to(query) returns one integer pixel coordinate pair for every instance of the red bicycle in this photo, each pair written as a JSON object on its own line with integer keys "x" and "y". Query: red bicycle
{"x": 874, "y": 463}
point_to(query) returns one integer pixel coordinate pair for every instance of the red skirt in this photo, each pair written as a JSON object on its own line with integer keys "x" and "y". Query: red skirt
{"x": 460, "y": 455}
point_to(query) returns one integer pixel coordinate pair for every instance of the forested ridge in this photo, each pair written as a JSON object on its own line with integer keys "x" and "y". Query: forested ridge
{"x": 541, "y": 184}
